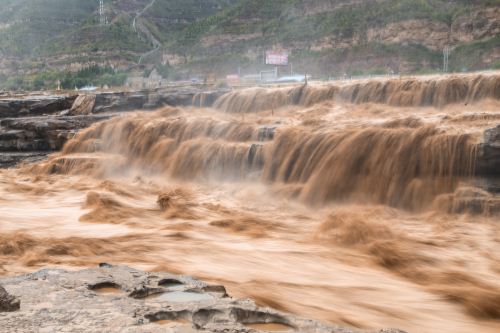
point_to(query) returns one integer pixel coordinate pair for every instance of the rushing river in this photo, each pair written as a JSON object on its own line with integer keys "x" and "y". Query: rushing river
{"x": 366, "y": 212}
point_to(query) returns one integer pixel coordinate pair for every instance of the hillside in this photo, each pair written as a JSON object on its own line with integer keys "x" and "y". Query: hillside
{"x": 57, "y": 33}
{"x": 350, "y": 35}
{"x": 200, "y": 37}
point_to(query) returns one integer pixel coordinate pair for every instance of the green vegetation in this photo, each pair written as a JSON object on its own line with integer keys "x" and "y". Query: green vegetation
{"x": 115, "y": 37}
{"x": 92, "y": 75}
{"x": 31, "y": 24}
{"x": 326, "y": 38}
{"x": 467, "y": 56}
{"x": 47, "y": 27}
{"x": 283, "y": 20}
{"x": 284, "y": 23}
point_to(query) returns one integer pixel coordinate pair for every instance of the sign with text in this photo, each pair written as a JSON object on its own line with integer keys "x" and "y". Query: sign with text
{"x": 277, "y": 58}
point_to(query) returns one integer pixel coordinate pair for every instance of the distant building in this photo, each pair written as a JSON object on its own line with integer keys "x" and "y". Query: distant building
{"x": 138, "y": 81}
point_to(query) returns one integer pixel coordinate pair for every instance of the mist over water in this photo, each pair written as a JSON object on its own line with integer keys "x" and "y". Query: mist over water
{"x": 356, "y": 204}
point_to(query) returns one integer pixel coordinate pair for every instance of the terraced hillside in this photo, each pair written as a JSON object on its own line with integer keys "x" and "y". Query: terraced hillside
{"x": 199, "y": 37}
{"x": 351, "y": 36}
{"x": 38, "y": 35}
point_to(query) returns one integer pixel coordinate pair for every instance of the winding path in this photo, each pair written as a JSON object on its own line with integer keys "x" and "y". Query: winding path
{"x": 138, "y": 26}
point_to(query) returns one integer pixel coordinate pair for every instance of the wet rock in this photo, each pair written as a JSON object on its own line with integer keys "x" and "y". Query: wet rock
{"x": 8, "y": 302}
{"x": 188, "y": 96}
{"x": 45, "y": 133}
{"x": 207, "y": 98}
{"x": 266, "y": 133}
{"x": 470, "y": 200}
{"x": 180, "y": 98}
{"x": 255, "y": 159}
{"x": 31, "y": 126}
{"x": 154, "y": 100}
{"x": 24, "y": 106}
{"x": 56, "y": 300}
{"x": 147, "y": 99}
{"x": 488, "y": 162}
{"x": 492, "y": 137}
{"x": 11, "y": 159}
{"x": 83, "y": 105}
{"x": 120, "y": 101}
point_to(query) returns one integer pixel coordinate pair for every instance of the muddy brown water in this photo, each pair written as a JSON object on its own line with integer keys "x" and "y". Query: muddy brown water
{"x": 175, "y": 323}
{"x": 270, "y": 327}
{"x": 338, "y": 212}
{"x": 109, "y": 291}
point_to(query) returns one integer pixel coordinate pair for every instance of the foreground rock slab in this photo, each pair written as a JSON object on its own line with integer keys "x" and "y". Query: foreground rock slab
{"x": 121, "y": 299}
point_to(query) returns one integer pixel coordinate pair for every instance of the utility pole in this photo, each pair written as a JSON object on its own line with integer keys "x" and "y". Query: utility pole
{"x": 446, "y": 58}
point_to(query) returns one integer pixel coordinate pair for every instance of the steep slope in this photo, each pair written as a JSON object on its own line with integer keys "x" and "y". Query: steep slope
{"x": 62, "y": 32}
{"x": 201, "y": 37}
{"x": 349, "y": 35}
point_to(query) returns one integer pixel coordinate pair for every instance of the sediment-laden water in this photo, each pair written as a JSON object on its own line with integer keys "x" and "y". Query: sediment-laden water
{"x": 360, "y": 204}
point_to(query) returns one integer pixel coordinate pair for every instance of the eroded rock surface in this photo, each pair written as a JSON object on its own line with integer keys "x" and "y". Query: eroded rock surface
{"x": 43, "y": 133}
{"x": 33, "y": 126}
{"x": 11, "y": 159}
{"x": 83, "y": 105}
{"x": 27, "y": 105}
{"x": 8, "y": 303}
{"x": 121, "y": 299}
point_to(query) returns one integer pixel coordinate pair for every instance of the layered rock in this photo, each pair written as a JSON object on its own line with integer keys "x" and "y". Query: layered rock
{"x": 489, "y": 153}
{"x": 25, "y": 106}
{"x": 45, "y": 133}
{"x": 101, "y": 102}
{"x": 476, "y": 25}
{"x": 33, "y": 126}
{"x": 433, "y": 35}
{"x": 150, "y": 99}
{"x": 11, "y": 159}
{"x": 83, "y": 105}
{"x": 122, "y": 299}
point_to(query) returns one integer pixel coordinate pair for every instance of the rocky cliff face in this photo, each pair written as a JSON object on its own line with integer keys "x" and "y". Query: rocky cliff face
{"x": 26, "y": 105}
{"x": 33, "y": 126}
{"x": 44, "y": 133}
{"x": 476, "y": 25}
{"x": 354, "y": 35}
{"x": 434, "y": 35}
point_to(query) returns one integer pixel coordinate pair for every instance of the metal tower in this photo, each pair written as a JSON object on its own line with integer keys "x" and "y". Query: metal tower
{"x": 103, "y": 20}
{"x": 446, "y": 58}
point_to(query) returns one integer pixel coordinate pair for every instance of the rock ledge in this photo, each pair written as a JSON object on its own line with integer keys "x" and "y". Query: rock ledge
{"x": 121, "y": 299}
